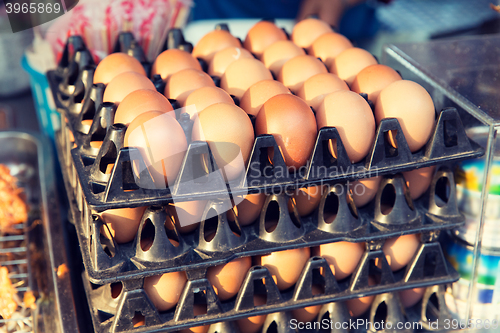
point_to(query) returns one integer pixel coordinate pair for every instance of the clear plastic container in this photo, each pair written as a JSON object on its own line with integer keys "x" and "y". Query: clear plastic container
{"x": 464, "y": 73}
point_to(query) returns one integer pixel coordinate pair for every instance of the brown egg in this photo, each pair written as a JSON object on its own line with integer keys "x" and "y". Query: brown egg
{"x": 350, "y": 62}
{"x": 115, "y": 64}
{"x": 187, "y": 214}
{"x": 165, "y": 290}
{"x": 307, "y": 31}
{"x": 249, "y": 209}
{"x": 262, "y": 35}
{"x": 212, "y": 42}
{"x": 227, "y": 279}
{"x": 364, "y": 190}
{"x": 400, "y": 250}
{"x": 259, "y": 93}
{"x": 172, "y": 61}
{"x": 124, "y": 84}
{"x": 328, "y": 46}
{"x": 342, "y": 257}
{"x": 306, "y": 200}
{"x": 223, "y": 58}
{"x": 139, "y": 102}
{"x": 122, "y": 223}
{"x": 359, "y": 306}
{"x": 242, "y": 74}
{"x": 419, "y": 180}
{"x": 315, "y": 88}
{"x": 410, "y": 297}
{"x": 275, "y": 56}
{"x": 357, "y": 136}
{"x": 198, "y": 310}
{"x": 230, "y": 135}
{"x": 204, "y": 97}
{"x": 148, "y": 133}
{"x": 292, "y": 123}
{"x": 297, "y": 70}
{"x": 372, "y": 79}
{"x": 184, "y": 82}
{"x": 412, "y": 105}
{"x": 308, "y": 313}
{"x": 285, "y": 266}
{"x": 253, "y": 324}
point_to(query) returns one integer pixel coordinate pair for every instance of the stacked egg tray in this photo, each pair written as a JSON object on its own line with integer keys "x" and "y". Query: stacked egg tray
{"x": 91, "y": 191}
{"x": 430, "y": 314}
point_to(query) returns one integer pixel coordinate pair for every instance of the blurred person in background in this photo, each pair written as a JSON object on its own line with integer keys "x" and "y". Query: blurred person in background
{"x": 353, "y": 18}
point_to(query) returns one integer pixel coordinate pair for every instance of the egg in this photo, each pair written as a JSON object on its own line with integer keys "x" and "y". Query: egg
{"x": 187, "y": 214}
{"x": 350, "y": 62}
{"x": 148, "y": 133}
{"x": 198, "y": 310}
{"x": 308, "y": 313}
{"x": 259, "y": 93}
{"x": 139, "y": 102}
{"x": 262, "y": 35}
{"x": 172, "y": 61}
{"x": 328, "y": 46}
{"x": 223, "y": 58}
{"x": 116, "y": 64}
{"x": 165, "y": 290}
{"x": 204, "y": 97}
{"x": 372, "y": 79}
{"x": 212, "y": 42}
{"x": 229, "y": 134}
{"x": 306, "y": 200}
{"x": 419, "y": 180}
{"x": 242, "y": 74}
{"x": 253, "y": 324}
{"x": 307, "y": 31}
{"x": 227, "y": 278}
{"x": 285, "y": 266}
{"x": 249, "y": 209}
{"x": 124, "y": 84}
{"x": 297, "y": 70}
{"x": 315, "y": 88}
{"x": 342, "y": 257}
{"x": 358, "y": 306}
{"x": 412, "y": 105}
{"x": 292, "y": 123}
{"x": 184, "y": 82}
{"x": 364, "y": 190}
{"x": 399, "y": 251}
{"x": 410, "y": 297}
{"x": 275, "y": 56}
{"x": 357, "y": 136}
{"x": 122, "y": 223}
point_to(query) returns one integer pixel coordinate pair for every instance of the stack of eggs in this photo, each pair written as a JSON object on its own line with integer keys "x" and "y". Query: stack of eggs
{"x": 290, "y": 88}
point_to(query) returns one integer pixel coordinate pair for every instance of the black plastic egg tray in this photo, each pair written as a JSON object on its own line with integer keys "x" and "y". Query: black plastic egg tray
{"x": 107, "y": 261}
{"x": 81, "y": 100}
{"x": 91, "y": 190}
{"x": 424, "y": 316}
{"x": 428, "y": 267}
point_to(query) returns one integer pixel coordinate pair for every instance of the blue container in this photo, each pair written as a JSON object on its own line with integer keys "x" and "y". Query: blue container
{"x": 48, "y": 117}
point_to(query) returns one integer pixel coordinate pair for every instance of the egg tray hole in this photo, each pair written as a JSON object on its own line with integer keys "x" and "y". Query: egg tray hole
{"x": 227, "y": 308}
{"x": 126, "y": 267}
{"x": 277, "y": 178}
